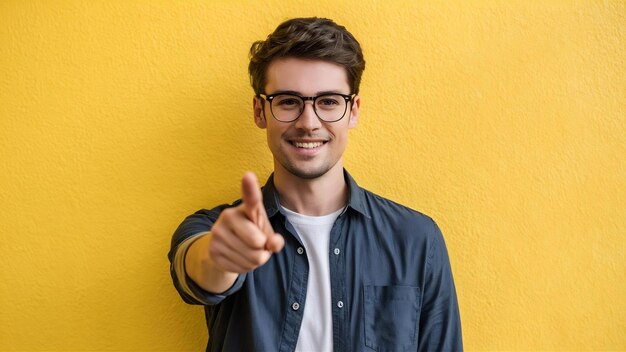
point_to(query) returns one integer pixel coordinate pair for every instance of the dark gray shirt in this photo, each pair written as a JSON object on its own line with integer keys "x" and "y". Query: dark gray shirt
{"x": 390, "y": 277}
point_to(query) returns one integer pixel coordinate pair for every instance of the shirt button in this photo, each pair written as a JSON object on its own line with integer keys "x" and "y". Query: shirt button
{"x": 295, "y": 306}
{"x": 340, "y": 304}
{"x": 300, "y": 250}
{"x": 337, "y": 251}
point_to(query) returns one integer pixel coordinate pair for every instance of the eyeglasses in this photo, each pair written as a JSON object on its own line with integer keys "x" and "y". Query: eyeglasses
{"x": 287, "y": 107}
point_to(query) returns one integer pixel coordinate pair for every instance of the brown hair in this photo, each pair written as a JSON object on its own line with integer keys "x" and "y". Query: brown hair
{"x": 307, "y": 38}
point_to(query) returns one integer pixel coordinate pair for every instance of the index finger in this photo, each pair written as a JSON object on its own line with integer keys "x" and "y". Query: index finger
{"x": 250, "y": 190}
{"x": 253, "y": 203}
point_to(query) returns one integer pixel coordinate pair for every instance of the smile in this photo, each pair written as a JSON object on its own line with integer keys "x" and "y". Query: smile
{"x": 307, "y": 145}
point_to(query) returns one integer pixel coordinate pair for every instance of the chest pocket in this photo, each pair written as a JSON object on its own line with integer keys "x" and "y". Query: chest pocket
{"x": 391, "y": 317}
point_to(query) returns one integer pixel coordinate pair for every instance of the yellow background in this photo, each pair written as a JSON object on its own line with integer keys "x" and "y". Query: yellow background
{"x": 503, "y": 120}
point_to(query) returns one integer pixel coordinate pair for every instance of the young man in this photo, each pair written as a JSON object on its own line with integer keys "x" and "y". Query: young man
{"x": 313, "y": 262}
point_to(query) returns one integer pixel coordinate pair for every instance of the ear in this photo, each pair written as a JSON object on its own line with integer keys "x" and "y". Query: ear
{"x": 354, "y": 112}
{"x": 259, "y": 113}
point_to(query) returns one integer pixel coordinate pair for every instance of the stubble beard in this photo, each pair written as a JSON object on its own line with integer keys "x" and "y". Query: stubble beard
{"x": 306, "y": 174}
{"x": 306, "y": 169}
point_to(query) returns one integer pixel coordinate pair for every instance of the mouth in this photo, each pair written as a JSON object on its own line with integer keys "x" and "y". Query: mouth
{"x": 307, "y": 144}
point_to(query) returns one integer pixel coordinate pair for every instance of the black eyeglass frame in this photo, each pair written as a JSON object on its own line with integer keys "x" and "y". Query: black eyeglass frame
{"x": 347, "y": 98}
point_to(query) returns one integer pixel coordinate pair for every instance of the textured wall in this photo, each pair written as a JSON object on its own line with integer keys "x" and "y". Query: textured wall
{"x": 504, "y": 120}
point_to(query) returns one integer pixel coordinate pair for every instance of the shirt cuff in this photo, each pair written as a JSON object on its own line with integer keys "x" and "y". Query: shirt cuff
{"x": 188, "y": 286}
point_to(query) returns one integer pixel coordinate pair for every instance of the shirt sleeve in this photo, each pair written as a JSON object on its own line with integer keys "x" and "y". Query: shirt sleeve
{"x": 192, "y": 228}
{"x": 440, "y": 322}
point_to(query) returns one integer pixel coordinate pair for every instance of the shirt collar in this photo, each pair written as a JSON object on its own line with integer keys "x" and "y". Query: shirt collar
{"x": 356, "y": 196}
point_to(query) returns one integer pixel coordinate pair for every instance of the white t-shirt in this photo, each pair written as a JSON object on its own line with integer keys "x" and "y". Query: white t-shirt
{"x": 316, "y": 332}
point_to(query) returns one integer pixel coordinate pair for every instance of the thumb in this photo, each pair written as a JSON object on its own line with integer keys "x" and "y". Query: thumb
{"x": 275, "y": 243}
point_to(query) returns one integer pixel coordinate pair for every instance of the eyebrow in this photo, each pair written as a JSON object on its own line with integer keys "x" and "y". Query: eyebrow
{"x": 300, "y": 94}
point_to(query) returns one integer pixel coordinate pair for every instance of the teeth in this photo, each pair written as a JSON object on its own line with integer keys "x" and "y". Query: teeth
{"x": 307, "y": 145}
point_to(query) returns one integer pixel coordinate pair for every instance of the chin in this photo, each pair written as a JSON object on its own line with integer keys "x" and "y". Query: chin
{"x": 307, "y": 173}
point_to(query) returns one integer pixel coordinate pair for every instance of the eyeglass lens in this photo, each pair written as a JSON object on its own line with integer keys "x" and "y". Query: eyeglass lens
{"x": 330, "y": 108}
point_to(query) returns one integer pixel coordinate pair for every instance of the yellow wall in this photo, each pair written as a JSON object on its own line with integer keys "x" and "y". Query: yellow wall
{"x": 504, "y": 120}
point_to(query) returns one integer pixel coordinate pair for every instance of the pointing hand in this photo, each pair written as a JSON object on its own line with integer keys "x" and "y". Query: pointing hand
{"x": 242, "y": 237}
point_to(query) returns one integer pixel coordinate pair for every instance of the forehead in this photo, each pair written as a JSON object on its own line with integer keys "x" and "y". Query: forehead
{"x": 307, "y": 77}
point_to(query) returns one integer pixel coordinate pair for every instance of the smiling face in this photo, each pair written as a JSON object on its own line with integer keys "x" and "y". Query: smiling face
{"x": 307, "y": 148}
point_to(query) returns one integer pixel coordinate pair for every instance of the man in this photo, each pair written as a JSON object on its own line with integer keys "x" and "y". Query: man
{"x": 313, "y": 262}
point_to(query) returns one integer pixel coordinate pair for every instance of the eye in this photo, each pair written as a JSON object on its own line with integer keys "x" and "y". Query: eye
{"x": 287, "y": 101}
{"x": 329, "y": 102}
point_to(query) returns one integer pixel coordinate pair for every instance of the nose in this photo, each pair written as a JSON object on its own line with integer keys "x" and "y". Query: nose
{"x": 308, "y": 120}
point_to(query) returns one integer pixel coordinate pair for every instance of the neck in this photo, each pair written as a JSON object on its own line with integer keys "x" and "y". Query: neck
{"x": 314, "y": 197}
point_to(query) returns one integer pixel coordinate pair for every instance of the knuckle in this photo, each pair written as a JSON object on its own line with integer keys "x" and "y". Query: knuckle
{"x": 255, "y": 240}
{"x": 214, "y": 250}
{"x": 259, "y": 259}
{"x": 227, "y": 214}
{"x": 217, "y": 232}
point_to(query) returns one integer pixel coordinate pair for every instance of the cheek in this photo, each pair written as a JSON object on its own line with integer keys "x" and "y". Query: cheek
{"x": 341, "y": 134}
{"x": 341, "y": 140}
{"x": 274, "y": 135}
